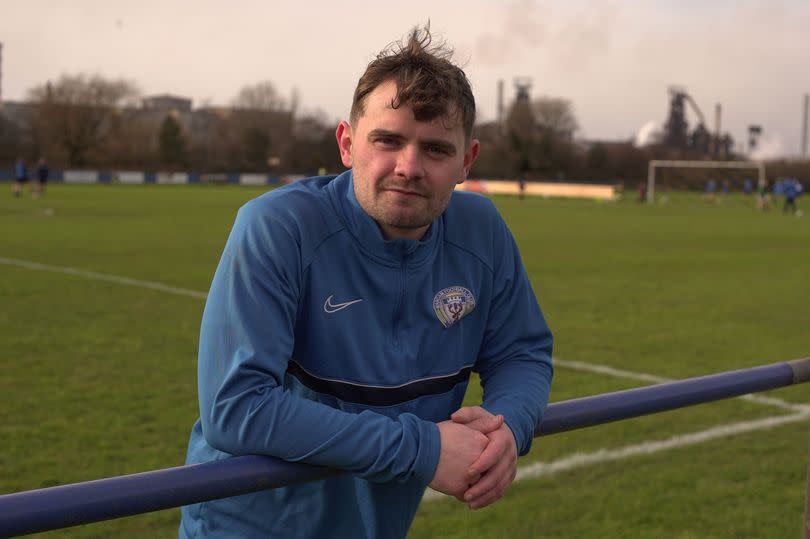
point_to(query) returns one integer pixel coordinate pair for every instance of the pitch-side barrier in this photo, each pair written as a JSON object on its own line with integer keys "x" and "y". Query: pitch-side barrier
{"x": 82, "y": 503}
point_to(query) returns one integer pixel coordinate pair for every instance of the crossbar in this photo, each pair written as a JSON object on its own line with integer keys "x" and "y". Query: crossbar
{"x": 92, "y": 501}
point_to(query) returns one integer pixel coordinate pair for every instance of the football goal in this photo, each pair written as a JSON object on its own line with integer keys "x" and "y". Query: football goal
{"x": 655, "y": 164}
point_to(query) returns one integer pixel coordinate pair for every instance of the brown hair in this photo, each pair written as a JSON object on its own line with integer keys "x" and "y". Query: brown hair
{"x": 426, "y": 80}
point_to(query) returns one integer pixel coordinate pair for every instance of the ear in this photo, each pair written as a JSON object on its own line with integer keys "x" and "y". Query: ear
{"x": 343, "y": 134}
{"x": 469, "y": 158}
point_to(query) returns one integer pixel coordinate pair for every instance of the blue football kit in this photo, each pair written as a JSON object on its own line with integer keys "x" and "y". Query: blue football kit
{"x": 322, "y": 342}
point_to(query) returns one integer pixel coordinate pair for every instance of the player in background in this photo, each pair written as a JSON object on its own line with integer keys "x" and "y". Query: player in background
{"x": 763, "y": 195}
{"x": 20, "y": 176}
{"x": 791, "y": 189}
{"x": 42, "y": 177}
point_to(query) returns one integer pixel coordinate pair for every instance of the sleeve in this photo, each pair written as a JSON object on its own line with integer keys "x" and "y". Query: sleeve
{"x": 515, "y": 359}
{"x": 246, "y": 340}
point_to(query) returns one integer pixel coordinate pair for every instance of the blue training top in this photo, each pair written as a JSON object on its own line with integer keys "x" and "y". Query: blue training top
{"x": 20, "y": 171}
{"x": 321, "y": 342}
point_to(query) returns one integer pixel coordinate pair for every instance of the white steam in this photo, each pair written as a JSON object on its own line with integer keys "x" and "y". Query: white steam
{"x": 649, "y": 133}
{"x": 769, "y": 146}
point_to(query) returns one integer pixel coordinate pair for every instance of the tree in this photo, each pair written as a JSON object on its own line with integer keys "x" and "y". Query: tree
{"x": 76, "y": 112}
{"x": 171, "y": 142}
{"x": 313, "y": 144}
{"x": 556, "y": 115}
{"x": 597, "y": 158}
{"x": 135, "y": 144}
{"x": 256, "y": 148}
{"x": 260, "y": 96}
{"x": 540, "y": 134}
{"x": 259, "y": 127}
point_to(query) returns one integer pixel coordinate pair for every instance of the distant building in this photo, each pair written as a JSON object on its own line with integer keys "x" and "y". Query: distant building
{"x": 166, "y": 102}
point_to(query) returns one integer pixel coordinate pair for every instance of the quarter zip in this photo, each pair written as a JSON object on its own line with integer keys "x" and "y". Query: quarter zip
{"x": 400, "y": 308}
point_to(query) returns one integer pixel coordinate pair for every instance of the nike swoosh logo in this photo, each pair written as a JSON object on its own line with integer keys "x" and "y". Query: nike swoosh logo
{"x": 330, "y": 307}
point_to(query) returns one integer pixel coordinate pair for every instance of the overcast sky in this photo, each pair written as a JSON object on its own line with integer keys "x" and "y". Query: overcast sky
{"x": 614, "y": 59}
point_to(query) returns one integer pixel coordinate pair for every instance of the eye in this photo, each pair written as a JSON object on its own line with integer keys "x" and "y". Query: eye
{"x": 437, "y": 149}
{"x": 386, "y": 141}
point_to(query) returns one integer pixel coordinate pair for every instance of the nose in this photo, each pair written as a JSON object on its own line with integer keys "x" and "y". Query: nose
{"x": 410, "y": 162}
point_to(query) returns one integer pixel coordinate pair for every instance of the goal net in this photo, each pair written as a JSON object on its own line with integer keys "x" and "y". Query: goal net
{"x": 743, "y": 165}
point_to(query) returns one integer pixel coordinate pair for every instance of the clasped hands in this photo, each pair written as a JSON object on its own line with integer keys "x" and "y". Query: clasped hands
{"x": 478, "y": 459}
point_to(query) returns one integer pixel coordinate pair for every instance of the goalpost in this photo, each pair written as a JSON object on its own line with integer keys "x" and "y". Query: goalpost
{"x": 759, "y": 166}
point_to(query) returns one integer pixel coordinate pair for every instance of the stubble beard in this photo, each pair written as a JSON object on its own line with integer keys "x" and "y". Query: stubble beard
{"x": 399, "y": 217}
{"x": 406, "y": 217}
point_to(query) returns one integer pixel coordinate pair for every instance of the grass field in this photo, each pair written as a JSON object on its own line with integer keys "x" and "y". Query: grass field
{"x": 98, "y": 376}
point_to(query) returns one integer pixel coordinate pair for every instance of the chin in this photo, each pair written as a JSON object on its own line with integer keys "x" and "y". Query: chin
{"x": 410, "y": 221}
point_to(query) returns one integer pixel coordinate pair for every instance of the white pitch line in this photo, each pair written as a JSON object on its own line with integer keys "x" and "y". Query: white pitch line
{"x": 104, "y": 277}
{"x": 580, "y": 460}
{"x": 646, "y": 377}
{"x": 539, "y": 469}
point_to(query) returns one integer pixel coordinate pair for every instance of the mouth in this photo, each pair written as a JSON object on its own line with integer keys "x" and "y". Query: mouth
{"x": 404, "y": 192}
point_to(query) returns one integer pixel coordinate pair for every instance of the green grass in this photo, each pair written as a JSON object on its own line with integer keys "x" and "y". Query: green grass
{"x": 98, "y": 378}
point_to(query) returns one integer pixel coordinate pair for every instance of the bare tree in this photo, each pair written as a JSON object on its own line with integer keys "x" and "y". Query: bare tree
{"x": 134, "y": 143}
{"x": 76, "y": 112}
{"x": 313, "y": 144}
{"x": 540, "y": 137}
{"x": 259, "y": 127}
{"x": 260, "y": 96}
{"x": 555, "y": 114}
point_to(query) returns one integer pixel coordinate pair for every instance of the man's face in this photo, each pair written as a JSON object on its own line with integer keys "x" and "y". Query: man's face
{"x": 404, "y": 170}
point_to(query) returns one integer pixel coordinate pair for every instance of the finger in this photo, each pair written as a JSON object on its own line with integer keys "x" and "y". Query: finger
{"x": 468, "y": 413}
{"x": 499, "y": 473}
{"x": 490, "y": 497}
{"x": 481, "y": 488}
{"x": 501, "y": 485}
{"x": 492, "y": 454}
{"x": 462, "y": 487}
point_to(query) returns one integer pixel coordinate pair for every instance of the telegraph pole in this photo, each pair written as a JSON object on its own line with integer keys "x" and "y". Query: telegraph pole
{"x": 1, "y": 74}
{"x": 804, "y": 125}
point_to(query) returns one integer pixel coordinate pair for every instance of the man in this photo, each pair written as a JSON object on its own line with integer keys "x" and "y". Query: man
{"x": 791, "y": 189}
{"x": 347, "y": 313}
{"x": 763, "y": 195}
{"x": 711, "y": 187}
{"x": 42, "y": 177}
{"x": 20, "y": 176}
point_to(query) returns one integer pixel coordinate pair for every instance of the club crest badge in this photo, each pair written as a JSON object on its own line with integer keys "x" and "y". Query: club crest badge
{"x": 452, "y": 304}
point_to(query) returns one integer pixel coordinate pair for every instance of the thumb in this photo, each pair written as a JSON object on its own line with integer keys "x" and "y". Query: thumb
{"x": 466, "y": 414}
{"x": 488, "y": 424}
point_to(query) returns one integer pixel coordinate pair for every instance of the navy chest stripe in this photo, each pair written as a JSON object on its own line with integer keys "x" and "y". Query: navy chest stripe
{"x": 379, "y": 395}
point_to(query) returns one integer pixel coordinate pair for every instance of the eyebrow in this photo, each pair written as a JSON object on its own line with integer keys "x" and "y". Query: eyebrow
{"x": 449, "y": 147}
{"x": 374, "y": 133}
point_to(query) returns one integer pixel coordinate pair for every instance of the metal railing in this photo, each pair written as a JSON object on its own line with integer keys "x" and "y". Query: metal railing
{"x": 82, "y": 503}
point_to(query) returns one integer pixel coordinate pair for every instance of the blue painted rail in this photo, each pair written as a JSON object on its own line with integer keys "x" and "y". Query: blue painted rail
{"x": 82, "y": 503}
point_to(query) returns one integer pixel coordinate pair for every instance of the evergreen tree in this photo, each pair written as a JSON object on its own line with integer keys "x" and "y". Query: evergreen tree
{"x": 172, "y": 143}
